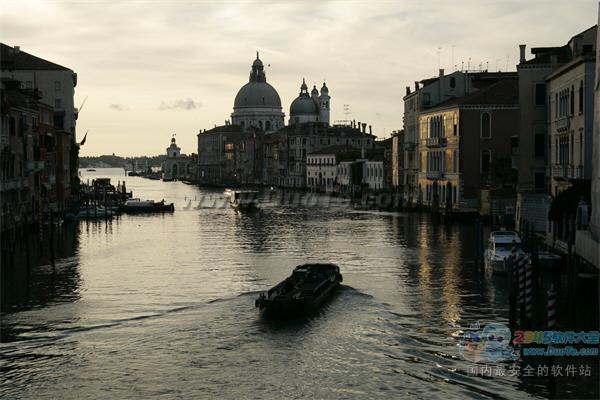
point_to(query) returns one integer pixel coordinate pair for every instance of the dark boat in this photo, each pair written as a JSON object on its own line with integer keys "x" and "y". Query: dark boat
{"x": 309, "y": 286}
{"x": 147, "y": 206}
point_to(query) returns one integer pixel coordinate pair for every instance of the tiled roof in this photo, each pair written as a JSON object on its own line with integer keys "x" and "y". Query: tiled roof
{"x": 16, "y": 60}
{"x": 503, "y": 92}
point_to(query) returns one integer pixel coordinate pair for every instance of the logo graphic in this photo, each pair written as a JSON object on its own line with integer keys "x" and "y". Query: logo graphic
{"x": 490, "y": 344}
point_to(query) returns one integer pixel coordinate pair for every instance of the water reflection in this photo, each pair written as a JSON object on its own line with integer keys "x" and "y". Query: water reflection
{"x": 177, "y": 291}
{"x": 31, "y": 278}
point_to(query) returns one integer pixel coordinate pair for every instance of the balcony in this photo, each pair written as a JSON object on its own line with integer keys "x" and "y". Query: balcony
{"x": 435, "y": 142}
{"x": 35, "y": 166}
{"x": 559, "y": 171}
{"x": 13, "y": 184}
{"x": 434, "y": 175}
{"x": 563, "y": 124}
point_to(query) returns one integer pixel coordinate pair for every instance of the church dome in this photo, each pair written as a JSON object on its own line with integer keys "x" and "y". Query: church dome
{"x": 257, "y": 93}
{"x": 304, "y": 104}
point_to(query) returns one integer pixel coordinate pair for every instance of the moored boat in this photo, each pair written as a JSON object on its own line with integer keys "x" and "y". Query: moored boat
{"x": 309, "y": 286}
{"x": 244, "y": 199}
{"x": 95, "y": 212}
{"x": 499, "y": 248}
{"x": 147, "y": 206}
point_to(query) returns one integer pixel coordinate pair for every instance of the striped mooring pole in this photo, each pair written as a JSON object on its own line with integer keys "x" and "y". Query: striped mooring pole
{"x": 521, "y": 265}
{"x": 528, "y": 289}
{"x": 551, "y": 308}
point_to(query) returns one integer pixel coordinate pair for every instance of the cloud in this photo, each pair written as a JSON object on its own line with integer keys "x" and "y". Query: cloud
{"x": 119, "y": 107}
{"x": 184, "y": 104}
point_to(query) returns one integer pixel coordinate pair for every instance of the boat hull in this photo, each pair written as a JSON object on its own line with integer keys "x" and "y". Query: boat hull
{"x": 298, "y": 302}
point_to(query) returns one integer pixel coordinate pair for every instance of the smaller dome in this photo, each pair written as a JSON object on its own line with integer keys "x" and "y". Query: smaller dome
{"x": 304, "y": 105}
{"x": 314, "y": 91}
{"x": 324, "y": 89}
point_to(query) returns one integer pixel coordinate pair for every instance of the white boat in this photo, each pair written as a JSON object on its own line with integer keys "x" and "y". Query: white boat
{"x": 228, "y": 192}
{"x": 244, "y": 199}
{"x": 499, "y": 249}
{"x": 95, "y": 212}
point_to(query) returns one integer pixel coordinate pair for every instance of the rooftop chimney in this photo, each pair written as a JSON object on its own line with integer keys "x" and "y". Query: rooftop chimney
{"x": 522, "y": 53}
{"x": 416, "y": 85}
{"x": 370, "y": 130}
{"x": 364, "y": 127}
{"x": 407, "y": 90}
{"x": 17, "y": 49}
{"x": 441, "y": 72}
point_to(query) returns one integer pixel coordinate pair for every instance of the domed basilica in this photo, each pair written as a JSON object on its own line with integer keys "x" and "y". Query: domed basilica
{"x": 258, "y": 104}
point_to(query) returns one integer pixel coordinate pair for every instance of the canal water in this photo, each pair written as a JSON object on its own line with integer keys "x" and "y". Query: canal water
{"x": 162, "y": 306}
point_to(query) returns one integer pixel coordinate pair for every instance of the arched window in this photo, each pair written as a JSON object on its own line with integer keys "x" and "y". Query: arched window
{"x": 486, "y": 128}
{"x": 268, "y": 125}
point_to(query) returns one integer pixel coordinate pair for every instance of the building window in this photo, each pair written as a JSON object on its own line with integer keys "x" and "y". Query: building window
{"x": 486, "y": 160}
{"x": 540, "y": 145}
{"x": 540, "y": 94}
{"x": 572, "y": 100}
{"x": 540, "y": 181}
{"x": 57, "y": 86}
{"x": 486, "y": 127}
{"x": 57, "y": 103}
{"x": 580, "y": 97}
{"x": 452, "y": 82}
{"x": 454, "y": 161}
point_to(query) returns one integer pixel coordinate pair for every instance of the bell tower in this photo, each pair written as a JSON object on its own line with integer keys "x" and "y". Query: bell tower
{"x": 324, "y": 105}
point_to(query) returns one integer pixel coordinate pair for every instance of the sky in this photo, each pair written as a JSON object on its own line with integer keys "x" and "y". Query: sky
{"x": 153, "y": 69}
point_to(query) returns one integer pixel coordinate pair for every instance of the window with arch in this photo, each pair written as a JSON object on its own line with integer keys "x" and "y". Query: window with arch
{"x": 268, "y": 125}
{"x": 486, "y": 125}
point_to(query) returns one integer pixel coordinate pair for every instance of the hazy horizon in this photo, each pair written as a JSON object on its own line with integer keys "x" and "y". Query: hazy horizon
{"x": 151, "y": 70}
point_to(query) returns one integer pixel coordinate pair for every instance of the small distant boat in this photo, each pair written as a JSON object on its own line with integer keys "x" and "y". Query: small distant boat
{"x": 309, "y": 286}
{"x": 133, "y": 173}
{"x": 90, "y": 170}
{"x": 95, "y": 212}
{"x": 243, "y": 199}
{"x": 500, "y": 245}
{"x": 147, "y": 206}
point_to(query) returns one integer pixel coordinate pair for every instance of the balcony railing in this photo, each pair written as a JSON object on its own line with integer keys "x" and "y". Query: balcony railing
{"x": 435, "y": 142}
{"x": 559, "y": 171}
{"x": 434, "y": 175}
{"x": 13, "y": 184}
{"x": 563, "y": 124}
